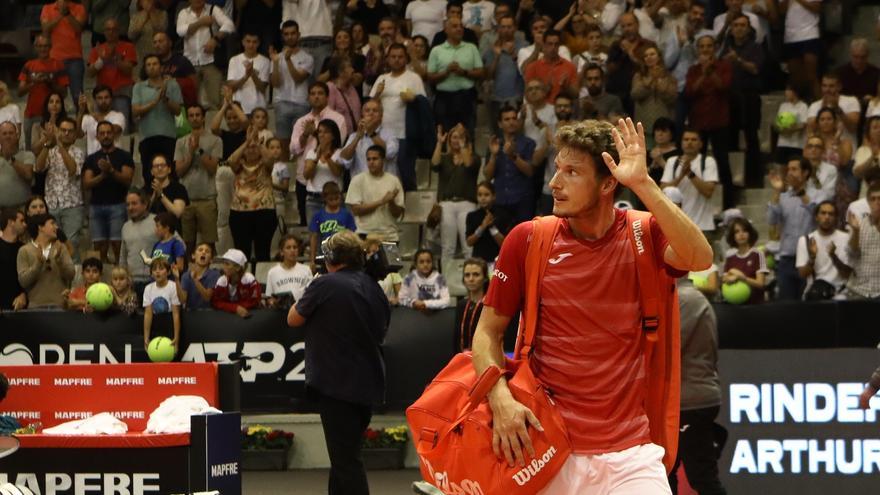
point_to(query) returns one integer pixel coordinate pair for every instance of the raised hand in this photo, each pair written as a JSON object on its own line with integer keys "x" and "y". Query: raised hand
{"x": 629, "y": 139}
{"x": 380, "y": 88}
{"x": 494, "y": 145}
{"x": 441, "y": 136}
{"x": 812, "y": 248}
{"x": 776, "y": 181}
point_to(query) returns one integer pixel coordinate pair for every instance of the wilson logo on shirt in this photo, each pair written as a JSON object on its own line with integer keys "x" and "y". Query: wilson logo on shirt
{"x": 558, "y": 259}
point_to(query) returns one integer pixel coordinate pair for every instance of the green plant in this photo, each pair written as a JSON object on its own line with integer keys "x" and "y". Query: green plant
{"x": 393, "y": 436}
{"x": 259, "y": 437}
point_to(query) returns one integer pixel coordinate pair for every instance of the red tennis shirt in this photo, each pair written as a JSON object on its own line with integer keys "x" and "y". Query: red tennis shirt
{"x": 588, "y": 347}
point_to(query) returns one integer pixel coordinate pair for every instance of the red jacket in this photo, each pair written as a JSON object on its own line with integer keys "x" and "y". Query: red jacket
{"x": 247, "y": 294}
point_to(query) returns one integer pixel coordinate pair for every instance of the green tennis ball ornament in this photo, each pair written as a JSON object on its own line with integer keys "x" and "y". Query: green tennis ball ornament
{"x": 161, "y": 350}
{"x": 769, "y": 258}
{"x": 699, "y": 281}
{"x": 736, "y": 293}
{"x": 99, "y": 296}
{"x": 784, "y": 120}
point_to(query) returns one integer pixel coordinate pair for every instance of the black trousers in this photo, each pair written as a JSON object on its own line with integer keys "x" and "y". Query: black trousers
{"x": 253, "y": 228}
{"x": 454, "y": 107}
{"x": 696, "y": 449}
{"x": 720, "y": 149}
{"x": 344, "y": 425}
{"x": 149, "y": 148}
{"x": 745, "y": 115}
{"x": 301, "y": 203}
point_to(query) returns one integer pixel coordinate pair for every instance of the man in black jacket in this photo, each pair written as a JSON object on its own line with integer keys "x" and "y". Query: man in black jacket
{"x": 346, "y": 315}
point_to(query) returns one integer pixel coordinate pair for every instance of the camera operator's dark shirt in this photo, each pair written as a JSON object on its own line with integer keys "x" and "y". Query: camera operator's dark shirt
{"x": 347, "y": 316}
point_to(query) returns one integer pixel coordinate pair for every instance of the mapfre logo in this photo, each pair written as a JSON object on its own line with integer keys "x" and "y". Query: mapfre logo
{"x": 525, "y": 474}
{"x": 449, "y": 487}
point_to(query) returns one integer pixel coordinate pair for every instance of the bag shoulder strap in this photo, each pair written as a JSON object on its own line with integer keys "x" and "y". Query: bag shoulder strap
{"x": 544, "y": 230}
{"x": 639, "y": 233}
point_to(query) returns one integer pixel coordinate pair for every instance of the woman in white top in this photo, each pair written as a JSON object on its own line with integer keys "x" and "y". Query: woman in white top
{"x": 322, "y": 166}
{"x": 289, "y": 277}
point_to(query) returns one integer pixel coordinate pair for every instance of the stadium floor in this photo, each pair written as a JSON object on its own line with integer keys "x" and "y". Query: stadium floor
{"x": 314, "y": 482}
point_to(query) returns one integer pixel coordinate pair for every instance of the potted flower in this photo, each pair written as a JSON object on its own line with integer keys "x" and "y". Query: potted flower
{"x": 384, "y": 448}
{"x": 264, "y": 448}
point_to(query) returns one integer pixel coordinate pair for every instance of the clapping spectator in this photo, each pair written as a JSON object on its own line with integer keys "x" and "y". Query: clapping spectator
{"x": 260, "y": 122}
{"x": 196, "y": 158}
{"x": 418, "y": 57}
{"x": 112, "y": 62}
{"x": 859, "y": 77}
{"x": 146, "y": 22}
{"x": 558, "y": 74}
{"x": 868, "y": 154}
{"x": 38, "y": 79}
{"x": 696, "y": 176}
{"x": 260, "y": 18}
{"x": 12, "y": 226}
{"x": 822, "y": 257}
{"x": 824, "y": 177}
{"x": 16, "y": 168}
{"x": 36, "y": 205}
{"x": 107, "y": 173}
{"x": 166, "y": 192}
{"x": 63, "y": 22}
{"x": 723, "y": 23}
{"x": 252, "y": 218}
{"x": 595, "y": 102}
{"x": 248, "y": 75}
{"x": 52, "y": 114}
{"x": 424, "y": 288}
{"x": 376, "y": 198}
{"x": 501, "y": 69}
{"x": 510, "y": 165}
{"x": 487, "y": 225}
{"x": 864, "y": 249}
{"x": 125, "y": 298}
{"x": 196, "y": 25}
{"x": 291, "y": 68}
{"x": 528, "y": 54}
{"x": 453, "y": 9}
{"x": 199, "y": 281}
{"x": 45, "y": 269}
{"x": 75, "y": 299}
{"x": 88, "y": 119}
{"x": 455, "y": 67}
{"x": 790, "y": 211}
{"x": 304, "y": 141}
{"x": 237, "y": 290}
{"x": 368, "y": 132}
{"x": 322, "y": 165}
{"x": 744, "y": 263}
{"x": 665, "y": 147}
{"x": 623, "y": 59}
{"x": 235, "y": 133}
{"x": 155, "y": 104}
{"x": 316, "y": 25}
{"x": 653, "y": 88}
{"x": 846, "y": 108}
{"x": 458, "y": 167}
{"x": 289, "y": 277}
{"x": 176, "y": 66}
{"x": 343, "y": 50}
{"x": 594, "y": 53}
{"x": 575, "y": 37}
{"x": 63, "y": 164}
{"x": 708, "y": 93}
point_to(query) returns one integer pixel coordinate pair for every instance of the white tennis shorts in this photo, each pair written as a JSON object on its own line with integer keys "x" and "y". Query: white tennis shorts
{"x": 637, "y": 470}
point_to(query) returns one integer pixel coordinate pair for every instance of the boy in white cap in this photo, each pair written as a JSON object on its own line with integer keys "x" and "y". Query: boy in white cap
{"x": 237, "y": 290}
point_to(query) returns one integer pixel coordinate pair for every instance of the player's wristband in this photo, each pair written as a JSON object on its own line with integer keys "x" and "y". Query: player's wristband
{"x": 494, "y": 230}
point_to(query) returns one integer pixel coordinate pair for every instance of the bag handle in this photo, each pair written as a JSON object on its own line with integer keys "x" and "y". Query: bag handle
{"x": 544, "y": 230}
{"x": 639, "y": 233}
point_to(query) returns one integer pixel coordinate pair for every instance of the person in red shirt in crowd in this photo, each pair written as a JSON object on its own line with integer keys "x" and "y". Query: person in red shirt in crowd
{"x": 588, "y": 346}
{"x": 63, "y": 21}
{"x": 112, "y": 62}
{"x": 38, "y": 78}
{"x": 558, "y": 74}
{"x": 707, "y": 90}
{"x": 237, "y": 290}
{"x": 177, "y": 66}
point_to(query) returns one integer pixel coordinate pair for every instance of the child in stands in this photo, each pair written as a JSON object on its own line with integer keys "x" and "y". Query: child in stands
{"x": 160, "y": 297}
{"x": 237, "y": 290}
{"x": 289, "y": 277}
{"x": 168, "y": 245}
{"x": 744, "y": 262}
{"x": 75, "y": 300}
{"x": 124, "y": 296}
{"x": 424, "y": 288}
{"x": 199, "y": 281}
{"x": 330, "y": 219}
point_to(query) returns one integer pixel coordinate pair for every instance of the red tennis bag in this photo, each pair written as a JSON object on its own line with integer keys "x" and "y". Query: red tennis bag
{"x": 452, "y": 423}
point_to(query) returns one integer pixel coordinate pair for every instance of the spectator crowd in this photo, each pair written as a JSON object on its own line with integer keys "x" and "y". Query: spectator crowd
{"x": 251, "y": 113}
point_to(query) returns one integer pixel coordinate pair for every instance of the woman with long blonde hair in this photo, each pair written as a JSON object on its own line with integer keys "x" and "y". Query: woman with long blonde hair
{"x": 457, "y": 189}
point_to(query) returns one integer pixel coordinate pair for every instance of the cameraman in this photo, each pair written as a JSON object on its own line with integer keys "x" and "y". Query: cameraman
{"x": 346, "y": 316}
